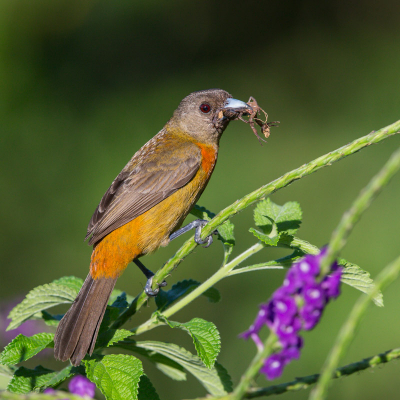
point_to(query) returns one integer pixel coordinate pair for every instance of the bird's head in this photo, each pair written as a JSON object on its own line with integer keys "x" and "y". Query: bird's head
{"x": 205, "y": 114}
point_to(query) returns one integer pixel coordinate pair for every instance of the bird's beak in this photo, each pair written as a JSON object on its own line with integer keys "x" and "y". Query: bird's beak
{"x": 237, "y": 106}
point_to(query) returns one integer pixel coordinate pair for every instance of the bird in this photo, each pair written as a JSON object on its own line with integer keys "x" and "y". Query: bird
{"x": 144, "y": 208}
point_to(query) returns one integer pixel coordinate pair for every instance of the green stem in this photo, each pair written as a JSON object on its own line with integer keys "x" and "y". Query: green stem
{"x": 346, "y": 334}
{"x": 362, "y": 202}
{"x": 253, "y": 368}
{"x": 239, "y": 205}
{"x": 211, "y": 281}
{"x": 306, "y": 381}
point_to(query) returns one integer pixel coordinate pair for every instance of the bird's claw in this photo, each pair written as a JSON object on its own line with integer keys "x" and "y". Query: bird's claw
{"x": 197, "y": 235}
{"x": 148, "y": 288}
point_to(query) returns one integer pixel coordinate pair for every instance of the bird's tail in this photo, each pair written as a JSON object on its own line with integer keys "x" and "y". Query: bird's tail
{"x": 77, "y": 332}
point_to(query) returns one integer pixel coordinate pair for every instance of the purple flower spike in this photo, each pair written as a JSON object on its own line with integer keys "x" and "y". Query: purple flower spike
{"x": 298, "y": 304}
{"x": 273, "y": 366}
{"x": 81, "y": 386}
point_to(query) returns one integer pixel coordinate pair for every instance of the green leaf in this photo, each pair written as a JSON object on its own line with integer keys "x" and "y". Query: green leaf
{"x": 165, "y": 298}
{"x": 120, "y": 303}
{"x": 175, "y": 372}
{"x": 216, "y": 380}
{"x": 205, "y": 337}
{"x": 23, "y": 348}
{"x": 72, "y": 282}
{"x": 111, "y": 336}
{"x": 25, "y": 380}
{"x": 146, "y": 389}
{"x": 270, "y": 241}
{"x": 116, "y": 375}
{"x": 360, "y": 279}
{"x": 65, "y": 373}
{"x": 287, "y": 218}
{"x": 164, "y": 364}
{"x": 61, "y": 291}
{"x": 117, "y": 293}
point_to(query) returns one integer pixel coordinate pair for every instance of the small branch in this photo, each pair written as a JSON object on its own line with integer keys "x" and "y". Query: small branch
{"x": 305, "y": 382}
{"x": 253, "y": 368}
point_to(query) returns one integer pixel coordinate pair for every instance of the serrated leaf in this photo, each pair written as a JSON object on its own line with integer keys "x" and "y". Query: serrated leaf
{"x": 72, "y": 282}
{"x": 165, "y": 298}
{"x": 270, "y": 241}
{"x": 174, "y": 372}
{"x": 205, "y": 337}
{"x": 164, "y": 364}
{"x": 64, "y": 374}
{"x": 146, "y": 389}
{"x": 215, "y": 380}
{"x": 287, "y": 218}
{"x": 25, "y": 380}
{"x": 120, "y": 303}
{"x": 360, "y": 279}
{"x": 111, "y": 336}
{"x": 116, "y": 375}
{"x": 22, "y": 348}
{"x": 61, "y": 291}
{"x": 225, "y": 231}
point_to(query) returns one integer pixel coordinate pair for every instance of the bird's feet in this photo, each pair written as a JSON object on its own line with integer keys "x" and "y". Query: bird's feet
{"x": 198, "y": 225}
{"x": 148, "y": 288}
{"x": 201, "y": 223}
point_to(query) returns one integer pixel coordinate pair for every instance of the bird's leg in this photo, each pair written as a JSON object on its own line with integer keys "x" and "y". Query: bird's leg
{"x": 149, "y": 275}
{"x": 198, "y": 224}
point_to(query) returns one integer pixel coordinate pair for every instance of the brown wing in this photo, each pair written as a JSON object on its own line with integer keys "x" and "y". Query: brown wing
{"x": 157, "y": 170}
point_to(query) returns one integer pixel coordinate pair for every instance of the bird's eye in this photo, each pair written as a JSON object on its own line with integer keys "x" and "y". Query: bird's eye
{"x": 205, "y": 108}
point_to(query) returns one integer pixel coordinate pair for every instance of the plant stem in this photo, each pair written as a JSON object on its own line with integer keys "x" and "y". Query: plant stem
{"x": 239, "y": 205}
{"x": 253, "y": 368}
{"x": 362, "y": 202}
{"x": 346, "y": 334}
{"x": 306, "y": 381}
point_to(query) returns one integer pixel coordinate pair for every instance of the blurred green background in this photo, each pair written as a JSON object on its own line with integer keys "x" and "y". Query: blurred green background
{"x": 84, "y": 84}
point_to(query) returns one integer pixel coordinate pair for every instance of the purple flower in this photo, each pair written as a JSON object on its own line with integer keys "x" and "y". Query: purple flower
{"x": 49, "y": 391}
{"x": 331, "y": 284}
{"x": 314, "y": 295}
{"x": 273, "y": 366}
{"x": 285, "y": 309}
{"x": 310, "y": 316}
{"x": 81, "y": 386}
{"x": 298, "y": 304}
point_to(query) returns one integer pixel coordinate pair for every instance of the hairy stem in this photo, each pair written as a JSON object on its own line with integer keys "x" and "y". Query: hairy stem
{"x": 306, "y": 381}
{"x": 362, "y": 202}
